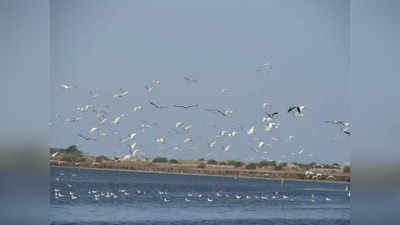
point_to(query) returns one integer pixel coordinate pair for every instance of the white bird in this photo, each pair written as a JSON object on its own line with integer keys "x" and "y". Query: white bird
{"x": 261, "y": 144}
{"x": 137, "y": 108}
{"x": 187, "y": 140}
{"x": 267, "y": 105}
{"x": 102, "y": 120}
{"x": 210, "y": 200}
{"x": 116, "y": 120}
{"x": 130, "y": 137}
{"x": 132, "y": 146}
{"x": 179, "y": 124}
{"x": 133, "y": 153}
{"x": 328, "y": 199}
{"x": 155, "y": 82}
{"x": 251, "y": 130}
{"x": 73, "y": 119}
{"x": 226, "y": 147}
{"x": 149, "y": 89}
{"x": 66, "y": 86}
{"x": 92, "y": 130}
{"x": 290, "y": 138}
{"x": 187, "y": 127}
{"x": 212, "y": 144}
{"x": 92, "y": 94}
{"x": 52, "y": 156}
{"x": 166, "y": 200}
{"x": 121, "y": 94}
{"x": 187, "y": 200}
{"x": 160, "y": 140}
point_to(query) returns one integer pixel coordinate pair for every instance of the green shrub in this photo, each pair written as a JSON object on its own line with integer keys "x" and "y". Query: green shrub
{"x": 174, "y": 161}
{"x": 251, "y": 166}
{"x": 212, "y": 162}
{"x": 73, "y": 150}
{"x": 234, "y": 163}
{"x": 346, "y": 169}
{"x": 160, "y": 160}
{"x": 266, "y": 163}
{"x": 201, "y": 159}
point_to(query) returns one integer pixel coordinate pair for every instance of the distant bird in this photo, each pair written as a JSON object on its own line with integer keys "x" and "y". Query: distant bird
{"x": 212, "y": 144}
{"x": 66, "y": 86}
{"x": 179, "y": 124}
{"x": 132, "y": 146}
{"x": 187, "y": 200}
{"x": 251, "y": 130}
{"x": 155, "y": 82}
{"x": 186, "y": 106}
{"x": 92, "y": 130}
{"x": 187, "y": 140}
{"x": 346, "y": 132}
{"x": 261, "y": 144}
{"x": 296, "y": 108}
{"x": 116, "y": 120}
{"x": 224, "y": 113}
{"x": 264, "y": 68}
{"x": 92, "y": 94}
{"x": 226, "y": 147}
{"x": 160, "y": 140}
{"x": 73, "y": 119}
{"x": 187, "y": 127}
{"x": 157, "y": 106}
{"x": 272, "y": 115}
{"x": 271, "y": 125}
{"x": 149, "y": 89}
{"x": 130, "y": 137}
{"x": 133, "y": 152}
{"x": 137, "y": 108}
{"x": 190, "y": 80}
{"x": 267, "y": 105}
{"x": 87, "y": 138}
{"x": 290, "y": 138}
{"x": 121, "y": 94}
{"x": 102, "y": 120}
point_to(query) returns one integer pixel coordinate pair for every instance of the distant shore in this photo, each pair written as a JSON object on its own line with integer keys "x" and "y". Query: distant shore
{"x": 199, "y": 174}
{"x": 191, "y": 167}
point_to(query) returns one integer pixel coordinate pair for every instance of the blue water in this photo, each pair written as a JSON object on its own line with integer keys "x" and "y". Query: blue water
{"x": 146, "y": 198}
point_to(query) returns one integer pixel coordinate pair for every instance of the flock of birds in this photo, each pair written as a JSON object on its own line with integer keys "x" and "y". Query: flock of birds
{"x": 103, "y": 116}
{"x": 64, "y": 192}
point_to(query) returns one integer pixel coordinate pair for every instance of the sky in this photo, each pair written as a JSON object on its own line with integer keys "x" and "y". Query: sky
{"x": 103, "y": 46}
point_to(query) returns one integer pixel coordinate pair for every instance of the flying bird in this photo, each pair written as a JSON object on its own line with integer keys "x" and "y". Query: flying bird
{"x": 190, "y": 80}
{"x": 296, "y": 109}
{"x": 87, "y": 138}
{"x": 186, "y": 106}
{"x": 157, "y": 106}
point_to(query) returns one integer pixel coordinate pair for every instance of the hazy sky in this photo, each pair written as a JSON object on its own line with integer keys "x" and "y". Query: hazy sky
{"x": 107, "y": 45}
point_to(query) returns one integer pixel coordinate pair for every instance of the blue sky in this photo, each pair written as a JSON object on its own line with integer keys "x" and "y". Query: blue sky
{"x": 104, "y": 46}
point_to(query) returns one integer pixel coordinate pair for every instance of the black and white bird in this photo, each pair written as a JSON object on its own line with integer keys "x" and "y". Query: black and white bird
{"x": 297, "y": 109}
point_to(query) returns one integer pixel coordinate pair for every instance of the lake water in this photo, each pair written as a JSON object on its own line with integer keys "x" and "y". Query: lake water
{"x": 100, "y": 197}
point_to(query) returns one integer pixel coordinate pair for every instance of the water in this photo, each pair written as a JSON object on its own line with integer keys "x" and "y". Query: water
{"x": 149, "y": 199}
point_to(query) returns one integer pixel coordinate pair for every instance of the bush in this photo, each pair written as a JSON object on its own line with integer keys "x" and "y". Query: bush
{"x": 266, "y": 163}
{"x": 251, "y": 166}
{"x": 173, "y": 161}
{"x": 202, "y": 165}
{"x": 234, "y": 163}
{"x": 212, "y": 162}
{"x": 201, "y": 159}
{"x": 73, "y": 150}
{"x": 160, "y": 160}
{"x": 346, "y": 169}
{"x": 223, "y": 163}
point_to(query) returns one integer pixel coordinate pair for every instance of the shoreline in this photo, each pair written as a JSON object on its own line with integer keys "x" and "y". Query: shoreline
{"x": 200, "y": 174}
